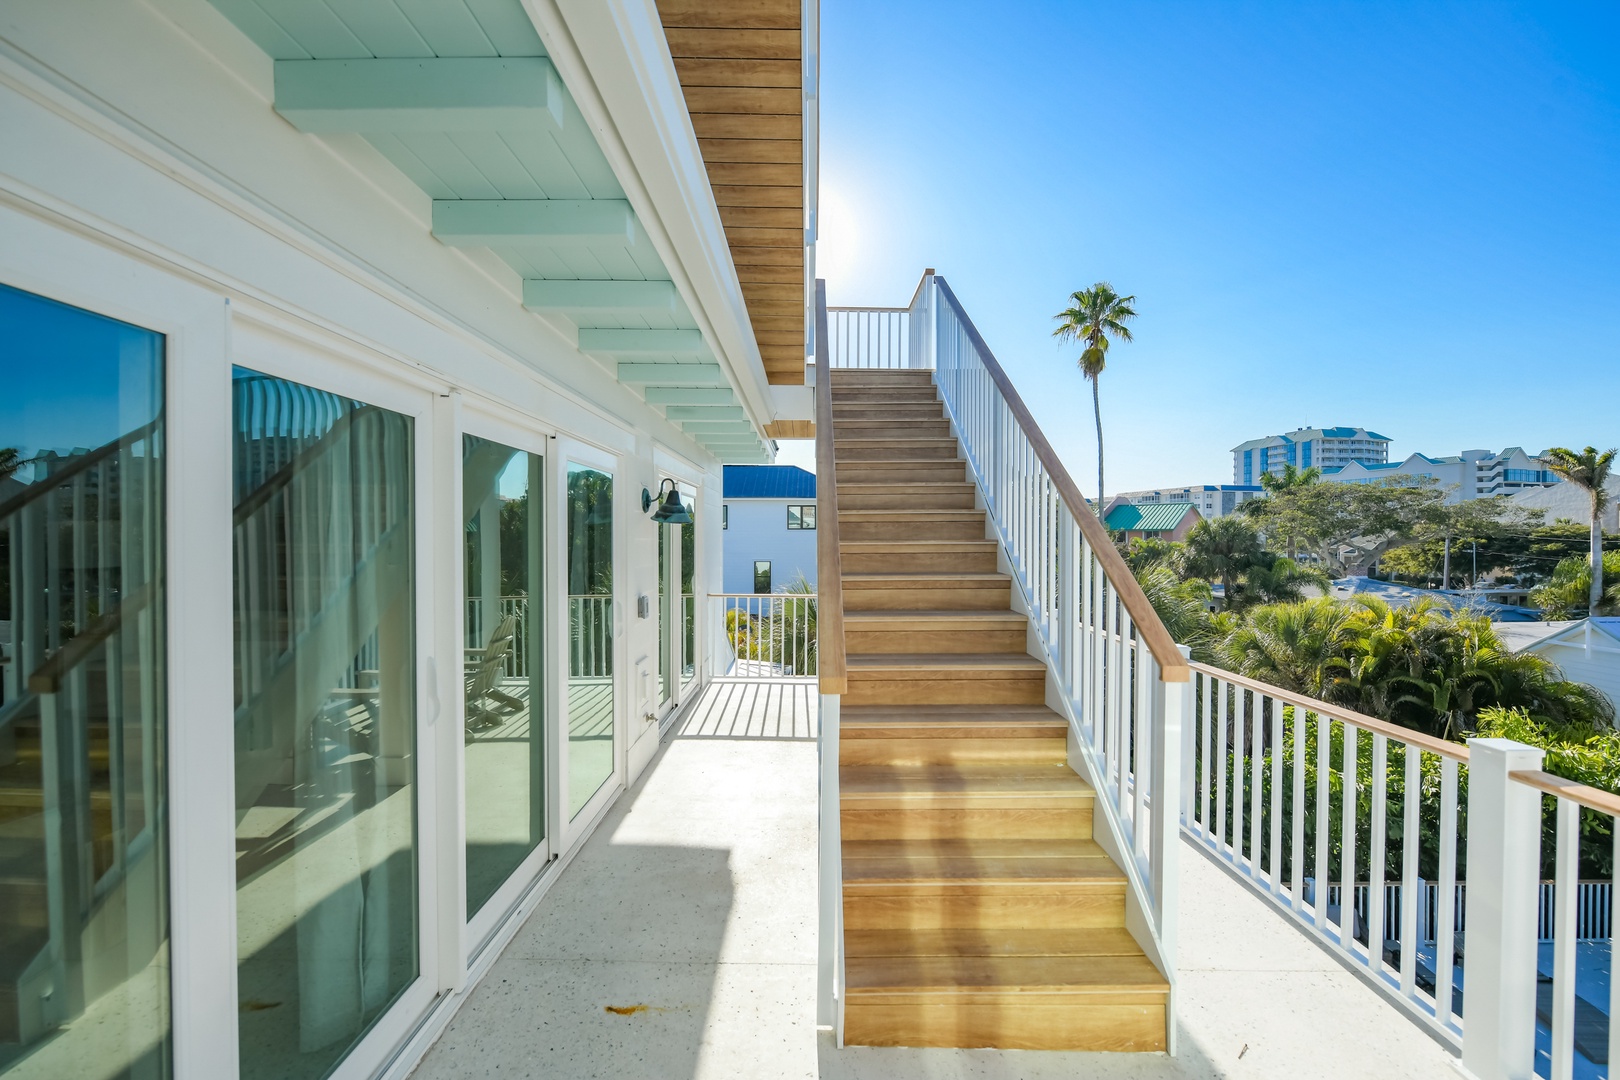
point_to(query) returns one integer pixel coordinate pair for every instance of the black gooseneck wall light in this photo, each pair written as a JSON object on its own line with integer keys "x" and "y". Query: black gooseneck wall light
{"x": 671, "y": 510}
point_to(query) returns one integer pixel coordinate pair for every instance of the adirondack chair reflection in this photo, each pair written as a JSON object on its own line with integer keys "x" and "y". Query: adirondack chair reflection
{"x": 486, "y": 669}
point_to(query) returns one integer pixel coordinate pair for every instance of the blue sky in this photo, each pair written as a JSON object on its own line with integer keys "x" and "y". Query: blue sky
{"x": 1403, "y": 216}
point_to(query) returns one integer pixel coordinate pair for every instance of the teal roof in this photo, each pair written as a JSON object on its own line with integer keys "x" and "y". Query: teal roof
{"x": 1148, "y": 517}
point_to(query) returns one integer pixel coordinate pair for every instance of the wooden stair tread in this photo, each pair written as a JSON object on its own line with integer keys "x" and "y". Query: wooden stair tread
{"x": 945, "y": 661}
{"x": 921, "y": 576}
{"x": 971, "y": 783}
{"x": 987, "y": 863}
{"x": 948, "y": 975}
{"x": 950, "y": 620}
{"x": 988, "y": 941}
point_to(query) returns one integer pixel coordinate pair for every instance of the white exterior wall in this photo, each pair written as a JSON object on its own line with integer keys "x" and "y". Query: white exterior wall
{"x": 1473, "y": 474}
{"x": 758, "y": 530}
{"x": 1597, "y": 665}
{"x": 144, "y": 176}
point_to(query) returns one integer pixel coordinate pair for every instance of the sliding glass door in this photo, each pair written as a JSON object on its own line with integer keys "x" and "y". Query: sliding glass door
{"x": 503, "y": 491}
{"x": 325, "y": 721}
{"x": 84, "y": 831}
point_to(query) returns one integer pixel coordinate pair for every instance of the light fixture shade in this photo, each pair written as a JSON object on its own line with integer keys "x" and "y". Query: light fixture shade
{"x": 671, "y": 511}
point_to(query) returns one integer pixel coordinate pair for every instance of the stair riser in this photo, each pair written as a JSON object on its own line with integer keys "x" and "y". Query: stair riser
{"x": 912, "y": 598}
{"x": 861, "y": 427}
{"x": 899, "y": 450}
{"x": 918, "y": 396}
{"x": 887, "y": 472}
{"x": 843, "y": 377}
{"x": 886, "y": 414}
{"x": 952, "y": 751}
{"x": 901, "y": 499}
{"x": 1077, "y": 907}
{"x": 920, "y": 642}
{"x": 1009, "y": 1021}
{"x": 910, "y": 530}
{"x": 900, "y": 562}
{"x": 968, "y": 689}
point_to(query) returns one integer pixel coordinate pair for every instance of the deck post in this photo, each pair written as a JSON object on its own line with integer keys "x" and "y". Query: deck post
{"x": 1504, "y": 848}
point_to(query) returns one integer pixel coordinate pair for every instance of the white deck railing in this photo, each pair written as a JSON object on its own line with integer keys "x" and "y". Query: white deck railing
{"x": 1116, "y": 673}
{"x": 765, "y": 635}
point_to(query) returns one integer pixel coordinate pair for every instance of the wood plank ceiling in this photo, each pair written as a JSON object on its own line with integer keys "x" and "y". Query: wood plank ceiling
{"x": 741, "y": 65}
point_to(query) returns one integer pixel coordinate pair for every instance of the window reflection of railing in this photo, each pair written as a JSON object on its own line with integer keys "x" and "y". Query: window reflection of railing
{"x": 590, "y": 637}
{"x": 81, "y": 727}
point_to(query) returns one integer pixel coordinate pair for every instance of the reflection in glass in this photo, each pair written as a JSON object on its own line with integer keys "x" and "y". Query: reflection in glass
{"x": 325, "y": 722}
{"x": 504, "y": 782}
{"x": 84, "y": 913}
{"x": 590, "y": 633}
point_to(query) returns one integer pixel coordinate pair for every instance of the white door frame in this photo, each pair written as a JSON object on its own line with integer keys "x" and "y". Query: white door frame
{"x": 527, "y": 436}
{"x": 573, "y": 451}
{"x": 328, "y": 363}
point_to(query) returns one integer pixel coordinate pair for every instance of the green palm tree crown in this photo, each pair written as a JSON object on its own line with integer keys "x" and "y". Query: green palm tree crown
{"x": 1096, "y": 317}
{"x": 1588, "y": 470}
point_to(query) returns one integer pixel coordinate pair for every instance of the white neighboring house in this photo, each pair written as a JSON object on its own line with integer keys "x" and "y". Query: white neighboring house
{"x": 1472, "y": 474}
{"x": 1586, "y": 650}
{"x": 769, "y": 524}
{"x": 1211, "y": 500}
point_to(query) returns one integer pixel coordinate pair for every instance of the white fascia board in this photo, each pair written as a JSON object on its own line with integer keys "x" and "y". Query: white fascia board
{"x": 614, "y": 59}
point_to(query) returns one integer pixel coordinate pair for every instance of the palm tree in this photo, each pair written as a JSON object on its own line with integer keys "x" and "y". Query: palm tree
{"x": 11, "y": 460}
{"x": 1588, "y": 470}
{"x": 1099, "y": 314}
{"x": 1225, "y": 548}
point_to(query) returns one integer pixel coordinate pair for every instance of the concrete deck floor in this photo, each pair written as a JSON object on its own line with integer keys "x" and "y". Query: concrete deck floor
{"x": 682, "y": 943}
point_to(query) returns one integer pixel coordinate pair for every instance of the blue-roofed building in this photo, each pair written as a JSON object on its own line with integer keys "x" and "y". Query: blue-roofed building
{"x": 1162, "y": 521}
{"x": 768, "y": 521}
{"x": 1323, "y": 448}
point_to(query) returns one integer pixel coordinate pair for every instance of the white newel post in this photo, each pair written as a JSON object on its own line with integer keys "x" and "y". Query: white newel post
{"x": 1504, "y": 880}
{"x": 1167, "y": 757}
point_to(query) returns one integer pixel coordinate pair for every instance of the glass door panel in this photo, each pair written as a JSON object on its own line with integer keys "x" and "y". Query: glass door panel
{"x": 325, "y": 721}
{"x": 504, "y": 785}
{"x": 84, "y": 908}
{"x": 589, "y": 542}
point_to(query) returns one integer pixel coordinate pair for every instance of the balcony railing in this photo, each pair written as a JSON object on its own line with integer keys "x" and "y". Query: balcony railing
{"x": 766, "y": 635}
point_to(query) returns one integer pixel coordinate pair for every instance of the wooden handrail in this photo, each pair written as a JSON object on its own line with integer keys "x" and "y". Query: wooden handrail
{"x": 832, "y": 674}
{"x": 1172, "y": 665}
{"x": 1604, "y": 802}
{"x": 1455, "y": 751}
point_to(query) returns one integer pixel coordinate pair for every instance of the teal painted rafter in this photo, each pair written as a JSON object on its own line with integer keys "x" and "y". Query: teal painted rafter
{"x": 514, "y": 222}
{"x": 439, "y": 94}
{"x": 644, "y": 342}
{"x": 672, "y": 374}
{"x": 602, "y": 297}
{"x": 716, "y": 427}
{"x": 688, "y": 395}
{"x": 705, "y": 412}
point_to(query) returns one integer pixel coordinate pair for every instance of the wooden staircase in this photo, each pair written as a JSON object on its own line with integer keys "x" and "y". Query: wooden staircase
{"x": 978, "y": 909}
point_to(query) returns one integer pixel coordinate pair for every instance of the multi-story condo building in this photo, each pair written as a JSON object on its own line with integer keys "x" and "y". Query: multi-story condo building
{"x": 1472, "y": 474}
{"x": 1325, "y": 448}
{"x": 1212, "y": 500}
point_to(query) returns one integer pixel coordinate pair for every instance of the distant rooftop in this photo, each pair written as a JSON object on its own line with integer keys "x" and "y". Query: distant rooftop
{"x": 768, "y": 482}
{"x": 1148, "y": 517}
